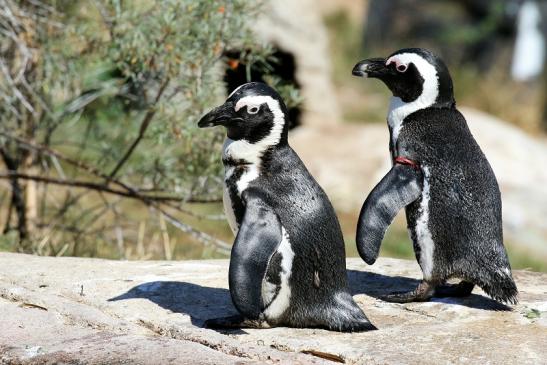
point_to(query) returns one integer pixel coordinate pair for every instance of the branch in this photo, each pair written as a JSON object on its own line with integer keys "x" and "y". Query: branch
{"x": 151, "y": 201}
{"x": 200, "y": 236}
{"x": 96, "y": 172}
{"x": 97, "y": 187}
{"x": 15, "y": 90}
{"x": 144, "y": 126}
{"x": 81, "y": 165}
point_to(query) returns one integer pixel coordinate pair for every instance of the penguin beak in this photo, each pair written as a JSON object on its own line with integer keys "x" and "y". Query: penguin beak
{"x": 221, "y": 115}
{"x": 372, "y": 67}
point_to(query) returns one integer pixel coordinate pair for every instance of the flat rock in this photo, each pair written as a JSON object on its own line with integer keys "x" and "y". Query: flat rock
{"x": 77, "y": 310}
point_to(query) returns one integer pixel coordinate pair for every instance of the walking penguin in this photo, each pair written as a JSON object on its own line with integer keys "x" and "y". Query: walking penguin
{"x": 287, "y": 266}
{"x": 442, "y": 178}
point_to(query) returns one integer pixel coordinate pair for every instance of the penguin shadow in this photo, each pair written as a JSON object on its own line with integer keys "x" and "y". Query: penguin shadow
{"x": 198, "y": 302}
{"x": 376, "y": 285}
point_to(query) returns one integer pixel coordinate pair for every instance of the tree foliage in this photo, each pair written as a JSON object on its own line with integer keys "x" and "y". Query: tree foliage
{"x": 99, "y": 104}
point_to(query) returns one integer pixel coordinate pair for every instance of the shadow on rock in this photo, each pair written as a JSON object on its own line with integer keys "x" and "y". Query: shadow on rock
{"x": 198, "y": 302}
{"x": 376, "y": 285}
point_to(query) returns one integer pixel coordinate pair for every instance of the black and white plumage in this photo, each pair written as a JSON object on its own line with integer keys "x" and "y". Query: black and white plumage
{"x": 442, "y": 178}
{"x": 287, "y": 265}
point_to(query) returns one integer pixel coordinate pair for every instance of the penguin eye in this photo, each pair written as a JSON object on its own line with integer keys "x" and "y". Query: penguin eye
{"x": 402, "y": 68}
{"x": 253, "y": 110}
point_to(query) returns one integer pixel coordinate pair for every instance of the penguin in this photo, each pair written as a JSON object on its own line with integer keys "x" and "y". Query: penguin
{"x": 287, "y": 264}
{"x": 443, "y": 180}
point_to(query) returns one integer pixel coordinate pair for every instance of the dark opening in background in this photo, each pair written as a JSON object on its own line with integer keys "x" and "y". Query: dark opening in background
{"x": 284, "y": 68}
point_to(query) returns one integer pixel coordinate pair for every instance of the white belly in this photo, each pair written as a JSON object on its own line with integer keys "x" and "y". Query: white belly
{"x": 423, "y": 234}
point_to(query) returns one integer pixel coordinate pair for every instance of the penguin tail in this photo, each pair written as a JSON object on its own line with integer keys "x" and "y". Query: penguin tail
{"x": 500, "y": 286}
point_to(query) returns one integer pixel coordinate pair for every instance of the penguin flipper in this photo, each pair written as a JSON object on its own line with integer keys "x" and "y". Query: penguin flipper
{"x": 257, "y": 240}
{"x": 401, "y": 186}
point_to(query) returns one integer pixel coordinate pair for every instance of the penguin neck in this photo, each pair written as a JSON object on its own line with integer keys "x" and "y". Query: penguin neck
{"x": 399, "y": 109}
{"x": 246, "y": 162}
{"x": 242, "y": 153}
{"x": 245, "y": 152}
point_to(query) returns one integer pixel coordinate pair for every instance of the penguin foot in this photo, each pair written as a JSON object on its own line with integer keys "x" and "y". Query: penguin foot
{"x": 356, "y": 327}
{"x": 460, "y": 290}
{"x": 422, "y": 293}
{"x": 236, "y": 321}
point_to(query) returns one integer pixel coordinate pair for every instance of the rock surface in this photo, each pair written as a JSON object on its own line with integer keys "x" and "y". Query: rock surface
{"x": 74, "y": 310}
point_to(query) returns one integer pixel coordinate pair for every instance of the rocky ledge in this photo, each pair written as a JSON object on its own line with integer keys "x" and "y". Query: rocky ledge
{"x": 89, "y": 311}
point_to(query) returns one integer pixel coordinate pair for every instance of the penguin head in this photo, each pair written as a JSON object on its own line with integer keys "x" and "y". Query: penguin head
{"x": 411, "y": 74}
{"x": 253, "y": 112}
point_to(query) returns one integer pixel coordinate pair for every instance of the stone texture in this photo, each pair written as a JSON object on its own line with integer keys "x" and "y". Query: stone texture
{"x": 348, "y": 160}
{"x": 75, "y": 310}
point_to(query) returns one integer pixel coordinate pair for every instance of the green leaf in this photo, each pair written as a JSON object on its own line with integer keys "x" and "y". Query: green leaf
{"x": 532, "y": 313}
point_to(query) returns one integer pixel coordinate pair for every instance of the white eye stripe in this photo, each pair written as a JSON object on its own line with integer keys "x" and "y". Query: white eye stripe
{"x": 400, "y": 66}
{"x": 426, "y": 69}
{"x": 399, "y": 110}
{"x": 252, "y": 102}
{"x": 393, "y": 59}
{"x": 252, "y": 152}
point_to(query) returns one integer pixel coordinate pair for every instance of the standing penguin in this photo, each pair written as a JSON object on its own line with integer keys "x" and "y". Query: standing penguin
{"x": 441, "y": 176}
{"x": 287, "y": 265}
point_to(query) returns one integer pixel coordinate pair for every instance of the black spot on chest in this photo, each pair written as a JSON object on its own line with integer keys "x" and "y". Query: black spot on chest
{"x": 239, "y": 169}
{"x": 273, "y": 275}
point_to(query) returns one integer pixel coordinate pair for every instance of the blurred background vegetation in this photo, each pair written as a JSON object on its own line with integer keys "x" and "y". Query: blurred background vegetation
{"x": 100, "y": 154}
{"x": 98, "y": 140}
{"x": 476, "y": 38}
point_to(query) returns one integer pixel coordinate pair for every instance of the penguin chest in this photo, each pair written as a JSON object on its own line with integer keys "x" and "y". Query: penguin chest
{"x": 398, "y": 111}
{"x": 236, "y": 181}
{"x": 276, "y": 289}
